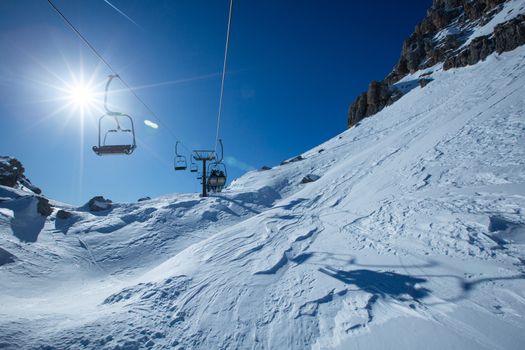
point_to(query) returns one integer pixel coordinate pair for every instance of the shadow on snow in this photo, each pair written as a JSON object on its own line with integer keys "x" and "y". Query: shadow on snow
{"x": 382, "y": 284}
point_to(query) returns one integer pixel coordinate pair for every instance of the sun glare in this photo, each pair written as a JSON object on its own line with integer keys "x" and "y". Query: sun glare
{"x": 81, "y": 96}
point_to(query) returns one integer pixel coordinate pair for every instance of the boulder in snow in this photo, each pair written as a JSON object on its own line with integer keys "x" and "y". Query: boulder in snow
{"x": 310, "y": 178}
{"x": 144, "y": 199}
{"x": 424, "y": 82}
{"x": 64, "y": 220}
{"x": 43, "y": 207}
{"x": 265, "y": 167}
{"x": 296, "y": 159}
{"x": 64, "y": 214}
{"x": 293, "y": 160}
{"x": 99, "y": 203}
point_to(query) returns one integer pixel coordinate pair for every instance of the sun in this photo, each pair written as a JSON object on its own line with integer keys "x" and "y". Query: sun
{"x": 81, "y": 96}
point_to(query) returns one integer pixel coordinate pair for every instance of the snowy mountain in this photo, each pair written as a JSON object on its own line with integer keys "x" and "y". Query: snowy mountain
{"x": 456, "y": 33}
{"x": 408, "y": 231}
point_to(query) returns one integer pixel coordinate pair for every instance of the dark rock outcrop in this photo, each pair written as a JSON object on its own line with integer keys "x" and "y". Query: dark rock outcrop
{"x": 64, "y": 214}
{"x": 292, "y": 160}
{"x": 64, "y": 220}
{"x": 439, "y": 38}
{"x": 11, "y": 170}
{"x": 30, "y": 209}
{"x": 310, "y": 178}
{"x": 99, "y": 203}
{"x": 43, "y": 207}
{"x": 378, "y": 96}
{"x": 506, "y": 37}
{"x": 12, "y": 175}
{"x": 424, "y": 82}
{"x": 510, "y": 35}
{"x": 144, "y": 199}
{"x": 423, "y": 49}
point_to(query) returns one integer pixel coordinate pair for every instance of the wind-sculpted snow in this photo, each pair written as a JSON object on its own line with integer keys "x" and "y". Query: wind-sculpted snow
{"x": 411, "y": 237}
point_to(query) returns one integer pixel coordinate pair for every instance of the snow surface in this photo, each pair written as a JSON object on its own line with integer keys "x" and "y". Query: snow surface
{"x": 412, "y": 237}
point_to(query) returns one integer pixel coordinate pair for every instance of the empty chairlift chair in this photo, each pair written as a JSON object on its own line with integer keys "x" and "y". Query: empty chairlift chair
{"x": 108, "y": 147}
{"x": 193, "y": 166}
{"x": 180, "y": 160}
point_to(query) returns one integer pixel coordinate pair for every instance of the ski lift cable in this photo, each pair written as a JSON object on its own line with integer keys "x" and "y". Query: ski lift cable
{"x": 224, "y": 67}
{"x": 101, "y": 58}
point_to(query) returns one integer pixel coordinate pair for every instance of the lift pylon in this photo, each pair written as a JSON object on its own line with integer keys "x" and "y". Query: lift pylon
{"x": 204, "y": 156}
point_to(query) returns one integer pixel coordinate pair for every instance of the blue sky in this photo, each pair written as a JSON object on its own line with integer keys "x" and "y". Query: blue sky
{"x": 294, "y": 68}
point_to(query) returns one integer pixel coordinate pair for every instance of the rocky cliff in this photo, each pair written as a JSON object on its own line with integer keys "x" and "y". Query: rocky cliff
{"x": 455, "y": 33}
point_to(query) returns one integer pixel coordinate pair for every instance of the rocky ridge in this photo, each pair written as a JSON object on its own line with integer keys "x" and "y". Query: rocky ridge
{"x": 12, "y": 175}
{"x": 443, "y": 36}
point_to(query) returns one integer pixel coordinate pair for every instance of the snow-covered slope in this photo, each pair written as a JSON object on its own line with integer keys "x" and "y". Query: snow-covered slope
{"x": 412, "y": 237}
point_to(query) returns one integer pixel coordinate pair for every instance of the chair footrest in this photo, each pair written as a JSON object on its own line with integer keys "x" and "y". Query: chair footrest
{"x": 114, "y": 149}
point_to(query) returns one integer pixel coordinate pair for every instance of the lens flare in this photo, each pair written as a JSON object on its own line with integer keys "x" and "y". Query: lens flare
{"x": 151, "y": 124}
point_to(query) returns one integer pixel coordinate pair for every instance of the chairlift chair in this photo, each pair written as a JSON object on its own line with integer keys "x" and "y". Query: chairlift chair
{"x": 217, "y": 176}
{"x": 180, "y": 163}
{"x": 217, "y": 173}
{"x": 180, "y": 160}
{"x": 105, "y": 148}
{"x": 193, "y": 166}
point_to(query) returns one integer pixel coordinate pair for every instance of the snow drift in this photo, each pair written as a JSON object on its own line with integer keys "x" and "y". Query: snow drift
{"x": 412, "y": 232}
